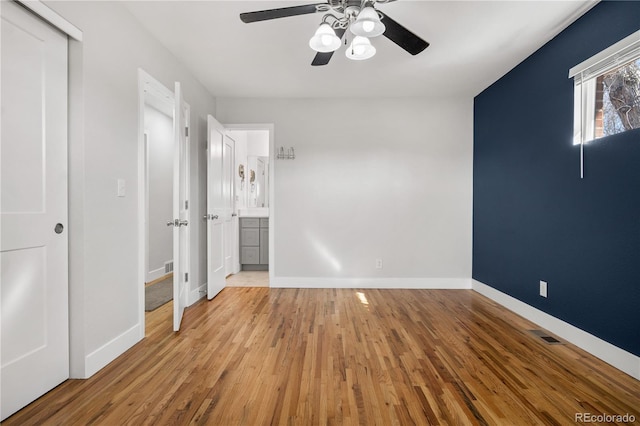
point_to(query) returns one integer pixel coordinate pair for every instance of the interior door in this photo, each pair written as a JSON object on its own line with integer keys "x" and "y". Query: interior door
{"x": 228, "y": 198}
{"x": 34, "y": 337}
{"x": 215, "y": 208}
{"x": 180, "y": 207}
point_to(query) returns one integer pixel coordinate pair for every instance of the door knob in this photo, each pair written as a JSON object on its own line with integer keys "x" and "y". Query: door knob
{"x": 183, "y": 222}
{"x": 172, "y": 223}
{"x": 59, "y": 228}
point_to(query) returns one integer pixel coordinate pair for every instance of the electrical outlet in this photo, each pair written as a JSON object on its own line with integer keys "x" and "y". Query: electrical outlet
{"x": 543, "y": 288}
{"x": 378, "y": 263}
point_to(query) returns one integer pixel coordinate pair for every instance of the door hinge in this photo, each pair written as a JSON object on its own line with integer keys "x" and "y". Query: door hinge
{"x": 186, "y": 205}
{"x": 186, "y": 131}
{"x": 186, "y": 277}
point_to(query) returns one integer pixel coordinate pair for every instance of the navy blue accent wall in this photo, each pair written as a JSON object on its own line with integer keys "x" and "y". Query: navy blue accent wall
{"x": 533, "y": 217}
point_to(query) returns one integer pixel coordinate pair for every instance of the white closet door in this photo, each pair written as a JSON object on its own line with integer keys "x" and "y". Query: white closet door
{"x": 34, "y": 339}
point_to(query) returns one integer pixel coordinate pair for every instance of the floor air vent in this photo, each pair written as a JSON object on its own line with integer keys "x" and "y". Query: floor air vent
{"x": 168, "y": 267}
{"x": 546, "y": 337}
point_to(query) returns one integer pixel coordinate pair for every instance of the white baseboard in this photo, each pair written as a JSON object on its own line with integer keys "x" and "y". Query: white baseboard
{"x": 155, "y": 274}
{"x": 102, "y": 356}
{"x": 381, "y": 283}
{"x": 619, "y": 358}
{"x": 197, "y": 294}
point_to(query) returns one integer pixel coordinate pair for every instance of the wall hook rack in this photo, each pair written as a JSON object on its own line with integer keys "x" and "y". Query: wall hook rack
{"x": 286, "y": 154}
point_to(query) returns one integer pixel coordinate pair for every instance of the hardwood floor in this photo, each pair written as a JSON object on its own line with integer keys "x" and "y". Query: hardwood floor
{"x": 257, "y": 356}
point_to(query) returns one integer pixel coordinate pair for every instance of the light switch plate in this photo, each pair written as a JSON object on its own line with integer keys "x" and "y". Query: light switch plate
{"x": 122, "y": 188}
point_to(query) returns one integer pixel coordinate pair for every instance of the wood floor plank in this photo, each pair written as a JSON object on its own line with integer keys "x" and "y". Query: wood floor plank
{"x": 260, "y": 356}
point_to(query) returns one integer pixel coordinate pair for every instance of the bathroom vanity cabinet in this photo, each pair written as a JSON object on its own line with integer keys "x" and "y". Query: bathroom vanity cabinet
{"x": 254, "y": 243}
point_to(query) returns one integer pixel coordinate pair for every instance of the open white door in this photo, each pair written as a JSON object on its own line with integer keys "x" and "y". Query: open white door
{"x": 228, "y": 202}
{"x": 180, "y": 207}
{"x": 215, "y": 208}
{"x": 34, "y": 335}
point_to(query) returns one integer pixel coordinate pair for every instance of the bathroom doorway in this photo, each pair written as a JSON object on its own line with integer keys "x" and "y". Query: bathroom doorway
{"x": 253, "y": 232}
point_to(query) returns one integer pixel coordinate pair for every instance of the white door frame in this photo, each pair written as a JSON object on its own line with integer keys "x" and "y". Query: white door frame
{"x": 48, "y": 15}
{"x": 272, "y": 199}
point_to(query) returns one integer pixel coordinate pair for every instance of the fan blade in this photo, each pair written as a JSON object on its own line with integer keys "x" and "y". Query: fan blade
{"x": 323, "y": 58}
{"x": 402, "y": 36}
{"x": 283, "y": 12}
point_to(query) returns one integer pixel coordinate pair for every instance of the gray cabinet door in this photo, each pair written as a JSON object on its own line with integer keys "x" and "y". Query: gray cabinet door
{"x": 254, "y": 243}
{"x": 264, "y": 246}
{"x": 249, "y": 237}
{"x": 250, "y": 255}
{"x": 249, "y": 222}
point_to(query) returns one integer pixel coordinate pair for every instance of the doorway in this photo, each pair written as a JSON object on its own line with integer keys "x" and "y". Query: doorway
{"x": 253, "y": 236}
{"x": 158, "y": 162}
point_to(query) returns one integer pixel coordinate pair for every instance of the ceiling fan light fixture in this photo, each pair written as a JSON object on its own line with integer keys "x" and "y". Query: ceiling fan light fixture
{"x": 360, "y": 49}
{"x": 368, "y": 23}
{"x": 325, "y": 39}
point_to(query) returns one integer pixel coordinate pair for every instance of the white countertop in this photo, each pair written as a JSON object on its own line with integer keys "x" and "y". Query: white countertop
{"x": 254, "y": 212}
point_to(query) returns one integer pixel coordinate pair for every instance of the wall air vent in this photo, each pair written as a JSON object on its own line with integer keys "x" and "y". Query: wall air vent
{"x": 168, "y": 267}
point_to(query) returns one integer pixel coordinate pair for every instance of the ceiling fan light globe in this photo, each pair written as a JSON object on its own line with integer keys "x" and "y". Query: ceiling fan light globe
{"x": 360, "y": 49}
{"x": 368, "y": 26}
{"x": 368, "y": 23}
{"x": 325, "y": 39}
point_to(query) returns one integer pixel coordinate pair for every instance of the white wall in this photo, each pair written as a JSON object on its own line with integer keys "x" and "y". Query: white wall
{"x": 373, "y": 178}
{"x": 258, "y": 143}
{"x": 159, "y": 129}
{"x": 104, "y": 287}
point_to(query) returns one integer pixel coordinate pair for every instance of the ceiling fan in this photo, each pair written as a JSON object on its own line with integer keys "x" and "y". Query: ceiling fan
{"x": 359, "y": 16}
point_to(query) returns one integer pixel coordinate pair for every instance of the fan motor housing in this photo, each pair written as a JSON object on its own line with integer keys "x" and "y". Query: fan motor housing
{"x": 348, "y": 7}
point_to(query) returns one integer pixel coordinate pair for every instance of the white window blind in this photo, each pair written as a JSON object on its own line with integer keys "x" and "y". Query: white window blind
{"x": 612, "y": 57}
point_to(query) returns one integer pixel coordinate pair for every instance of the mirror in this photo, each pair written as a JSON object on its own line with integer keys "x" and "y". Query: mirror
{"x": 258, "y": 193}
{"x": 251, "y": 179}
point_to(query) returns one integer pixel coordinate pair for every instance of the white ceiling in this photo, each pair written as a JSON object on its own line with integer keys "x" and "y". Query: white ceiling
{"x": 473, "y": 43}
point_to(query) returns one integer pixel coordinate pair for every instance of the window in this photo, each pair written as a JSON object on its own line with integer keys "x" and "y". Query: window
{"x": 607, "y": 91}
